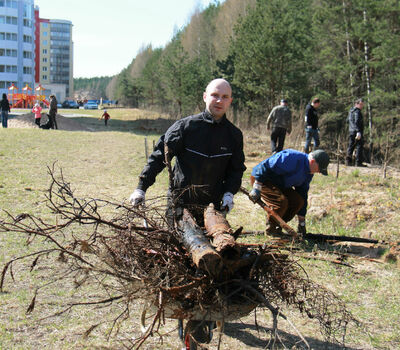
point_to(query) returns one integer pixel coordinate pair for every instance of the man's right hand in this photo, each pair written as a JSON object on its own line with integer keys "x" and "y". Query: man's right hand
{"x": 255, "y": 195}
{"x": 137, "y": 197}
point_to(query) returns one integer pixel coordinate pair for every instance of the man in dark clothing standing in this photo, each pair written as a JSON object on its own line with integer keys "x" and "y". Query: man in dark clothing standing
{"x": 311, "y": 119}
{"x": 356, "y": 134}
{"x": 52, "y": 122}
{"x": 5, "y": 109}
{"x": 209, "y": 155}
{"x": 281, "y": 120}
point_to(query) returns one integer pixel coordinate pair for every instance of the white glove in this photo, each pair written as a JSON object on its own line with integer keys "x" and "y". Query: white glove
{"x": 137, "y": 197}
{"x": 227, "y": 202}
{"x": 358, "y": 136}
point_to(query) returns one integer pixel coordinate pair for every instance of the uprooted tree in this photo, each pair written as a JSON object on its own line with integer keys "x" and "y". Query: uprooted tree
{"x": 129, "y": 254}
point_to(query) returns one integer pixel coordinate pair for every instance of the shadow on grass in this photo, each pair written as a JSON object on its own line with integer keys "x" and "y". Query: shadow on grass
{"x": 138, "y": 126}
{"x": 239, "y": 331}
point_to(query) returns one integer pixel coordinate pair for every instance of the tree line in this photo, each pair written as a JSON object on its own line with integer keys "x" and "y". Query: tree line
{"x": 270, "y": 49}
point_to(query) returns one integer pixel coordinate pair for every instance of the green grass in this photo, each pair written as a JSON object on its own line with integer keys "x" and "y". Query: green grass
{"x": 105, "y": 163}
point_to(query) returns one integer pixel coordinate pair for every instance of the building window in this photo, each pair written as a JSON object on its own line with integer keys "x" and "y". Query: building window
{"x": 11, "y": 3}
{"x": 27, "y": 54}
{"x": 44, "y": 33}
{"x": 45, "y": 24}
{"x": 27, "y": 23}
{"x": 2, "y": 84}
{"x": 44, "y": 69}
{"x": 44, "y": 42}
{"x": 2, "y": 52}
{"x": 11, "y": 53}
{"x": 2, "y": 68}
{"x": 44, "y": 59}
{"x": 27, "y": 39}
{"x": 44, "y": 77}
{"x": 11, "y": 20}
{"x": 27, "y": 70}
{"x": 44, "y": 51}
{"x": 11, "y": 69}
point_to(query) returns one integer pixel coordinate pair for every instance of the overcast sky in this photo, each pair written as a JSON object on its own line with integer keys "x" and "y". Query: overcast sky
{"x": 107, "y": 35}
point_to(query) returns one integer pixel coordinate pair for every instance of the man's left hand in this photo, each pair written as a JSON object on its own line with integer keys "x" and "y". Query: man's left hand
{"x": 227, "y": 202}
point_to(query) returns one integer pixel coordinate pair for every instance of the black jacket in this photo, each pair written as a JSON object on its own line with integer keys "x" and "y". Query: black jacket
{"x": 311, "y": 117}
{"x": 4, "y": 105}
{"x": 356, "y": 122}
{"x": 208, "y": 154}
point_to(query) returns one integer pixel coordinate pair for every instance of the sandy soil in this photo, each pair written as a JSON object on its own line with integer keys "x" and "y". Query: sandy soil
{"x": 28, "y": 121}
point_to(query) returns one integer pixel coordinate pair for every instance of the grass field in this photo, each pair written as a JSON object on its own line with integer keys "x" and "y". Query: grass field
{"x": 106, "y": 162}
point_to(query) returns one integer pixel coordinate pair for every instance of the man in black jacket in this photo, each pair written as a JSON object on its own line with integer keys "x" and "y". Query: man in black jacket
{"x": 52, "y": 122}
{"x": 209, "y": 155}
{"x": 311, "y": 119}
{"x": 356, "y": 134}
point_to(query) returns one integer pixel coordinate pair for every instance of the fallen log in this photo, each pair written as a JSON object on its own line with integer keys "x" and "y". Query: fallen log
{"x": 221, "y": 233}
{"x": 198, "y": 245}
{"x": 321, "y": 237}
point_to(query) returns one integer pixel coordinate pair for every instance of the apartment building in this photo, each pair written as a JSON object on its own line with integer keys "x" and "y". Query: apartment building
{"x": 54, "y": 55}
{"x": 17, "y": 56}
{"x": 34, "y": 50}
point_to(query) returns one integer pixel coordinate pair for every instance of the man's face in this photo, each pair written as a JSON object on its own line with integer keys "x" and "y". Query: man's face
{"x": 218, "y": 98}
{"x": 360, "y": 105}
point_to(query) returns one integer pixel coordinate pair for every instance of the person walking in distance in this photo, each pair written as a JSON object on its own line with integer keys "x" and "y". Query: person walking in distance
{"x": 356, "y": 134}
{"x": 5, "y": 109}
{"x": 311, "y": 119}
{"x": 209, "y": 155}
{"x": 37, "y": 111}
{"x": 280, "y": 121}
{"x": 106, "y": 116}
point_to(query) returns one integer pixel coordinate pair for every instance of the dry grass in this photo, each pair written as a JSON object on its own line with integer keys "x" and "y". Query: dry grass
{"x": 105, "y": 164}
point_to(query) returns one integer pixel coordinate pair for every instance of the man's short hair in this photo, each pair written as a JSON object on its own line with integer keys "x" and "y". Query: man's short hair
{"x": 316, "y": 100}
{"x": 51, "y": 96}
{"x": 359, "y": 100}
{"x": 284, "y": 100}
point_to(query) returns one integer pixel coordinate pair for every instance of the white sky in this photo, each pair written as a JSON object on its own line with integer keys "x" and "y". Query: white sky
{"x": 107, "y": 34}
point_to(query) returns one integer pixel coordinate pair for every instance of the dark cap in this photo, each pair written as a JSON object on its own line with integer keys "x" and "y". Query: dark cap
{"x": 284, "y": 100}
{"x": 322, "y": 158}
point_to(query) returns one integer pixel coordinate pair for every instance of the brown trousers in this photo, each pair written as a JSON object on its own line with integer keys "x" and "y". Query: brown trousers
{"x": 285, "y": 202}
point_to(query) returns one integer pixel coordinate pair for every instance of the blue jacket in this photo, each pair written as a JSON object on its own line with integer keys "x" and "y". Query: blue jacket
{"x": 287, "y": 169}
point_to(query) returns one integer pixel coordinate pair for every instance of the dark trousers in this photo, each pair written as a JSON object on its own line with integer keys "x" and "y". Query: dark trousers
{"x": 277, "y": 136}
{"x": 37, "y": 121}
{"x": 358, "y": 145}
{"x": 285, "y": 202}
{"x": 51, "y": 123}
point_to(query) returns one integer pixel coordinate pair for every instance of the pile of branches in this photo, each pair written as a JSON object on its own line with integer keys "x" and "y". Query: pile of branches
{"x": 132, "y": 254}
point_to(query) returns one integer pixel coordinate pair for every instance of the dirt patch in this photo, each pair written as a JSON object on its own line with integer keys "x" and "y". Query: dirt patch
{"x": 28, "y": 121}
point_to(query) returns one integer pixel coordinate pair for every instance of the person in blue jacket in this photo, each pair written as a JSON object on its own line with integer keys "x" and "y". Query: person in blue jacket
{"x": 282, "y": 181}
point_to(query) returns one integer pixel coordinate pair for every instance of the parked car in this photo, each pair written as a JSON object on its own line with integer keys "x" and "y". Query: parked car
{"x": 91, "y": 105}
{"x": 70, "y": 104}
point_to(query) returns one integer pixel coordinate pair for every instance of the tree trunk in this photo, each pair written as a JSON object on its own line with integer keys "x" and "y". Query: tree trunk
{"x": 198, "y": 245}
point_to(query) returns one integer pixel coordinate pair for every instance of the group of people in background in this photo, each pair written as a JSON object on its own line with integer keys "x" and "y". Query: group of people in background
{"x": 279, "y": 122}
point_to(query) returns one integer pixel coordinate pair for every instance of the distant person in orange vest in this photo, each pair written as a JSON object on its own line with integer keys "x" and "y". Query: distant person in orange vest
{"x": 5, "y": 109}
{"x": 106, "y": 116}
{"x": 37, "y": 110}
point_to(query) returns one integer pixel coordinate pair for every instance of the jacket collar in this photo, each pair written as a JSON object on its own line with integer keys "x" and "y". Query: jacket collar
{"x": 207, "y": 116}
